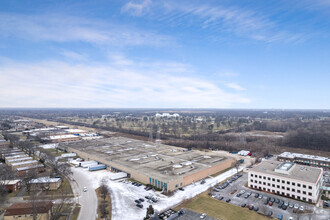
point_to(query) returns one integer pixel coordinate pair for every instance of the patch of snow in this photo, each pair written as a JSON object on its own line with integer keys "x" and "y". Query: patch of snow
{"x": 123, "y": 194}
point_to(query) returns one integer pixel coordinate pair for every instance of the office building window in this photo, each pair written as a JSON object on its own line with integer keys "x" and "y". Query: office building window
{"x": 310, "y": 194}
{"x": 304, "y": 186}
{"x": 273, "y": 179}
{"x": 304, "y": 192}
{"x": 293, "y": 184}
{"x": 268, "y": 178}
{"x": 298, "y": 191}
{"x": 298, "y": 185}
{"x": 288, "y": 182}
{"x": 278, "y": 180}
{"x": 273, "y": 185}
{"x": 283, "y": 181}
{"x": 287, "y": 188}
{"x": 293, "y": 190}
{"x": 251, "y": 175}
{"x": 264, "y": 177}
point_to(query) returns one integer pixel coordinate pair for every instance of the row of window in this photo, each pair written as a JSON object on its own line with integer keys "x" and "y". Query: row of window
{"x": 282, "y": 193}
{"x": 157, "y": 183}
{"x": 282, "y": 187}
{"x": 278, "y": 180}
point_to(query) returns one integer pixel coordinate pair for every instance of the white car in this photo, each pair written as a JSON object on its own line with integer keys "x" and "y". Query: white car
{"x": 301, "y": 208}
{"x": 85, "y": 189}
{"x": 290, "y": 218}
{"x": 296, "y": 206}
{"x": 202, "y": 216}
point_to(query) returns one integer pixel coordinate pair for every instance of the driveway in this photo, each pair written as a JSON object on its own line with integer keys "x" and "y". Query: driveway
{"x": 87, "y": 200}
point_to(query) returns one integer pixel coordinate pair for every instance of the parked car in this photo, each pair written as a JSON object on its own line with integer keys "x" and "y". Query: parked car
{"x": 228, "y": 200}
{"x": 256, "y": 209}
{"x": 296, "y": 206}
{"x": 85, "y": 189}
{"x": 260, "y": 196}
{"x": 270, "y": 203}
{"x": 249, "y": 193}
{"x": 137, "y": 201}
{"x": 246, "y": 196}
{"x": 280, "y": 216}
{"x": 270, "y": 213}
{"x": 256, "y": 195}
{"x": 284, "y": 207}
{"x": 277, "y": 201}
{"x": 301, "y": 208}
{"x": 250, "y": 207}
{"x": 202, "y": 216}
{"x": 272, "y": 200}
{"x": 290, "y": 205}
{"x": 266, "y": 202}
{"x": 139, "y": 205}
{"x": 286, "y": 203}
{"x": 220, "y": 198}
{"x": 142, "y": 200}
{"x": 294, "y": 210}
{"x": 243, "y": 205}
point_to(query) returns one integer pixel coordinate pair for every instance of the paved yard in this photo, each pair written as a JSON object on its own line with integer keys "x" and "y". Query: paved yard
{"x": 315, "y": 213}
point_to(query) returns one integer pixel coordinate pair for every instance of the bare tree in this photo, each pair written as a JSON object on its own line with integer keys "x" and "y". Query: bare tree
{"x": 104, "y": 189}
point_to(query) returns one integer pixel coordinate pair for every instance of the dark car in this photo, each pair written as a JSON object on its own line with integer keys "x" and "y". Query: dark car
{"x": 137, "y": 201}
{"x": 220, "y": 198}
{"x": 238, "y": 194}
{"x": 147, "y": 197}
{"x": 139, "y": 205}
{"x": 142, "y": 200}
{"x": 228, "y": 200}
{"x": 277, "y": 201}
{"x": 250, "y": 207}
{"x": 243, "y": 205}
{"x": 270, "y": 213}
{"x": 284, "y": 207}
{"x": 272, "y": 200}
{"x": 294, "y": 210}
{"x": 182, "y": 189}
{"x": 256, "y": 195}
{"x": 246, "y": 196}
{"x": 268, "y": 199}
{"x": 266, "y": 202}
{"x": 256, "y": 209}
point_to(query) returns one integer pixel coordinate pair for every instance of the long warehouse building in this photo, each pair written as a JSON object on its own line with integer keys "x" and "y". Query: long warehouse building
{"x": 163, "y": 166}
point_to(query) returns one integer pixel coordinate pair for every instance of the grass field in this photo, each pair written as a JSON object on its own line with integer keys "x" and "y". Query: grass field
{"x": 218, "y": 209}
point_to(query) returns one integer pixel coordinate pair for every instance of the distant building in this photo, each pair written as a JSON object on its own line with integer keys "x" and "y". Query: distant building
{"x": 62, "y": 138}
{"x": 11, "y": 185}
{"x": 46, "y": 183}
{"x": 4, "y": 143}
{"x": 305, "y": 159}
{"x": 287, "y": 179}
{"x": 24, "y": 164}
{"x": 167, "y": 115}
{"x": 26, "y": 210}
{"x": 22, "y": 171}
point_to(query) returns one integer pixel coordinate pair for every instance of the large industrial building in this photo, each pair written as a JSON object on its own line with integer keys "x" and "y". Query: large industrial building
{"x": 287, "y": 179}
{"x": 305, "y": 159}
{"x": 163, "y": 166}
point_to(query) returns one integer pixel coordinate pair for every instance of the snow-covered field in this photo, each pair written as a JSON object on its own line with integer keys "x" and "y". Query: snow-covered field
{"x": 124, "y": 194}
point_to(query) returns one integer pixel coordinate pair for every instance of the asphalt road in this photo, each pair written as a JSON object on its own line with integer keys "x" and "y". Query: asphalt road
{"x": 87, "y": 200}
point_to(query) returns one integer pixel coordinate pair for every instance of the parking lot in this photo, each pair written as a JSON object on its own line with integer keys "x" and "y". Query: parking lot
{"x": 261, "y": 206}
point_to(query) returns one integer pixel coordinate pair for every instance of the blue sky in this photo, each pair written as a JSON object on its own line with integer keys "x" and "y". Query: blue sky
{"x": 165, "y": 54}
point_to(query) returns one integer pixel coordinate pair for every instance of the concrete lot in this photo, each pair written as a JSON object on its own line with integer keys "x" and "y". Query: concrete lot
{"x": 315, "y": 213}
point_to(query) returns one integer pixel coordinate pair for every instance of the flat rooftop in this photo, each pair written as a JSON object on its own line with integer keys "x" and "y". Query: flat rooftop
{"x": 157, "y": 160}
{"x": 304, "y": 156}
{"x": 298, "y": 172}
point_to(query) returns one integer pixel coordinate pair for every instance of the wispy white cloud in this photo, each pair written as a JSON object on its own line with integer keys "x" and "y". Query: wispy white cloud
{"x": 63, "y": 28}
{"x": 136, "y": 8}
{"x": 74, "y": 55}
{"x": 132, "y": 84}
{"x": 235, "y": 86}
{"x": 219, "y": 18}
